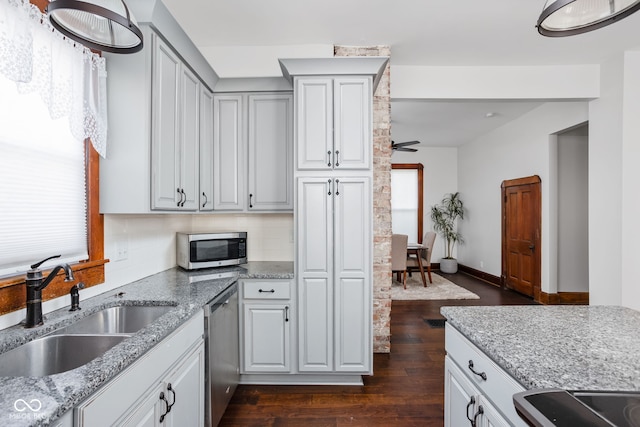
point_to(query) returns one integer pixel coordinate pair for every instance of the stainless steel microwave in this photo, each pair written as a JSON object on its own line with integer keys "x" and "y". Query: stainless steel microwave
{"x": 205, "y": 250}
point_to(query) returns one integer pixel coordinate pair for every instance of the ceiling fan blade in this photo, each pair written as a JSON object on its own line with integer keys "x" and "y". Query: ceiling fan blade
{"x": 402, "y": 144}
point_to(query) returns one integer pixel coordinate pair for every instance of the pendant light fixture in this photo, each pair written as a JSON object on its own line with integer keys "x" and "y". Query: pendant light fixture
{"x": 568, "y": 17}
{"x": 105, "y": 25}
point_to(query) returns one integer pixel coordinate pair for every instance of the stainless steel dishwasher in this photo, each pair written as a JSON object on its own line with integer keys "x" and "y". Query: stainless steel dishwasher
{"x": 222, "y": 369}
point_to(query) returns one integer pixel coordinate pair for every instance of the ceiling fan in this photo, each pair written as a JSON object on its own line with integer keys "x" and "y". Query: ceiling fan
{"x": 402, "y": 146}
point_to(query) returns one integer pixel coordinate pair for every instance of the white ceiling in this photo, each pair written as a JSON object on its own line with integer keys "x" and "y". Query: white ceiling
{"x": 420, "y": 32}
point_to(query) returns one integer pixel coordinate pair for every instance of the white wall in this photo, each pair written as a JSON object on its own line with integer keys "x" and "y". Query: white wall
{"x": 630, "y": 292}
{"x": 605, "y": 187}
{"x": 440, "y": 178}
{"x": 573, "y": 208}
{"x": 519, "y": 149}
{"x": 149, "y": 240}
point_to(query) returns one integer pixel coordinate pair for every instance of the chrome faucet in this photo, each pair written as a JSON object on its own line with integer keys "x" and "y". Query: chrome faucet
{"x": 35, "y": 284}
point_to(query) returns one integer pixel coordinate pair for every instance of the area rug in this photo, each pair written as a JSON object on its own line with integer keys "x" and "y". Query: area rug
{"x": 441, "y": 288}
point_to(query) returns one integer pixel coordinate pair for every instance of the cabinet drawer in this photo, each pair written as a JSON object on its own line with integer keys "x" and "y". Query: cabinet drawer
{"x": 267, "y": 289}
{"x": 499, "y": 387}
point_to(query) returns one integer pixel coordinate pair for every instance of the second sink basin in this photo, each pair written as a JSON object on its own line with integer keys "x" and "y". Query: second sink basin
{"x": 54, "y": 354}
{"x": 116, "y": 320}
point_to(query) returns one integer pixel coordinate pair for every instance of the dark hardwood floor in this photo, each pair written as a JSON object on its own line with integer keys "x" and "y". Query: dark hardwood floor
{"x": 407, "y": 388}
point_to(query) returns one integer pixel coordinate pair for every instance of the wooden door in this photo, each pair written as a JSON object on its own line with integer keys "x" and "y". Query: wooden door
{"x": 521, "y": 226}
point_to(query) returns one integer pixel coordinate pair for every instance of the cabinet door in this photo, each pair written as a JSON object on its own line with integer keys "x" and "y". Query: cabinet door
{"x": 314, "y": 120}
{"x": 206, "y": 150}
{"x": 189, "y": 135}
{"x": 148, "y": 412}
{"x": 270, "y": 146}
{"x": 460, "y": 396}
{"x": 353, "y": 282}
{"x": 165, "y": 131}
{"x": 315, "y": 274}
{"x": 490, "y": 417}
{"x": 266, "y": 338}
{"x": 228, "y": 153}
{"x": 352, "y": 123}
{"x": 184, "y": 390}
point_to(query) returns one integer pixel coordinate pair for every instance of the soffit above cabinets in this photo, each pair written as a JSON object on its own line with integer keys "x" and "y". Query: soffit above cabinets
{"x": 340, "y": 66}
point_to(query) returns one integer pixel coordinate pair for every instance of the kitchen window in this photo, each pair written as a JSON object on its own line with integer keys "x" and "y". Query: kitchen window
{"x": 53, "y": 100}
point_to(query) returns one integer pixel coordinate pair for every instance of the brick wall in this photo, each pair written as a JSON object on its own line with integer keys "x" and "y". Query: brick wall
{"x": 381, "y": 198}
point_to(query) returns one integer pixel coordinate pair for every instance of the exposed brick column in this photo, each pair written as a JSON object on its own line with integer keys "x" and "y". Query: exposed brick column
{"x": 381, "y": 198}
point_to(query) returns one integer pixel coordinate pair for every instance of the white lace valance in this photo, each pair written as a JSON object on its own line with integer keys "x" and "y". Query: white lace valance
{"x": 71, "y": 80}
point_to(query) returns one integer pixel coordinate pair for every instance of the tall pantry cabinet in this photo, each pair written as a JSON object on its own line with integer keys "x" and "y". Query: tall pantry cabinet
{"x": 333, "y": 212}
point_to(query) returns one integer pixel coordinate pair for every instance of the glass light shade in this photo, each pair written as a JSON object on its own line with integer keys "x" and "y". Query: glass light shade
{"x": 568, "y": 17}
{"x": 105, "y": 25}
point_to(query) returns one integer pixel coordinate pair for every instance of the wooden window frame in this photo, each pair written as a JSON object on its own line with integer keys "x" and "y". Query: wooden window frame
{"x": 420, "y": 169}
{"x": 13, "y": 293}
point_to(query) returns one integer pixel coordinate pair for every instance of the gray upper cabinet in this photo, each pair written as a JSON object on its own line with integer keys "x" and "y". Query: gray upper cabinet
{"x": 253, "y": 152}
{"x": 228, "y": 153}
{"x": 160, "y": 128}
{"x": 175, "y": 130}
{"x": 270, "y": 137}
{"x": 334, "y": 123}
{"x": 206, "y": 150}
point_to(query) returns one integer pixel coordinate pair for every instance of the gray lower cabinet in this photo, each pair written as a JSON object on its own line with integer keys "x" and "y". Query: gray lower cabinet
{"x": 265, "y": 324}
{"x": 333, "y": 224}
{"x": 253, "y": 152}
{"x": 169, "y": 376}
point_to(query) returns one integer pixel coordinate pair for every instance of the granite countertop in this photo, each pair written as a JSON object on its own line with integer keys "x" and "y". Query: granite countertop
{"x": 567, "y": 347}
{"x": 186, "y": 291}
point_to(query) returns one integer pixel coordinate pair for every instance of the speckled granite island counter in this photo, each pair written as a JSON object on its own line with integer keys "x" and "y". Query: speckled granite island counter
{"x": 568, "y": 347}
{"x": 188, "y": 292}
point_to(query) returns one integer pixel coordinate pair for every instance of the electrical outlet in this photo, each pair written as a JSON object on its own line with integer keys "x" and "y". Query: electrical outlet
{"x": 122, "y": 250}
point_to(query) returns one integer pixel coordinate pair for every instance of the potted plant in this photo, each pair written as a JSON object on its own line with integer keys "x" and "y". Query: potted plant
{"x": 444, "y": 218}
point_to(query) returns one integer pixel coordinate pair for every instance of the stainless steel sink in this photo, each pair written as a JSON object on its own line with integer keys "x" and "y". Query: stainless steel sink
{"x": 116, "y": 320}
{"x": 55, "y": 354}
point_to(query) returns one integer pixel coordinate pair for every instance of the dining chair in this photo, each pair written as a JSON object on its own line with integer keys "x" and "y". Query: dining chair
{"x": 399, "y": 257}
{"x": 428, "y": 241}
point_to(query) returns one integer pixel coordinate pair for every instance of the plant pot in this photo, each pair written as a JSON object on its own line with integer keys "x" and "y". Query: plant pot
{"x": 449, "y": 265}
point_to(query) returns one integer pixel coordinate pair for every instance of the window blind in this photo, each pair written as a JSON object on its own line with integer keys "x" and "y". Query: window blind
{"x": 404, "y": 203}
{"x": 42, "y": 185}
